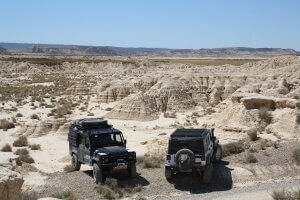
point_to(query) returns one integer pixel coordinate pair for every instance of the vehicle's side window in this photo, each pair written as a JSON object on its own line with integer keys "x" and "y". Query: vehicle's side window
{"x": 118, "y": 138}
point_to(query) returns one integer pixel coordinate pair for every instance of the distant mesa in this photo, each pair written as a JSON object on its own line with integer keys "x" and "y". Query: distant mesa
{"x": 3, "y": 50}
{"x": 57, "y": 49}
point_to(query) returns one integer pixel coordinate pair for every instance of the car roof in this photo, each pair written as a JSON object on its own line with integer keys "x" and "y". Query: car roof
{"x": 190, "y": 133}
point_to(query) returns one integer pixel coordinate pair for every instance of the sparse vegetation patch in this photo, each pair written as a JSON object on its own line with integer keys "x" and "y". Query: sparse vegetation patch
{"x": 20, "y": 142}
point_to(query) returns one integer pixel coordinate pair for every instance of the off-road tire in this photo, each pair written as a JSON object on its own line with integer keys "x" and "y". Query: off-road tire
{"x": 132, "y": 170}
{"x": 169, "y": 174}
{"x": 218, "y": 154}
{"x": 75, "y": 163}
{"x": 98, "y": 174}
{"x": 207, "y": 174}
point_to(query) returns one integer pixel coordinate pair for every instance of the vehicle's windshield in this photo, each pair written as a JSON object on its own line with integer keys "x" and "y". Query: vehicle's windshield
{"x": 107, "y": 139}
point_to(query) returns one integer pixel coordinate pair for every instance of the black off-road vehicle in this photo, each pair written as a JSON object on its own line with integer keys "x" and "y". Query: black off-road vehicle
{"x": 93, "y": 141}
{"x": 192, "y": 150}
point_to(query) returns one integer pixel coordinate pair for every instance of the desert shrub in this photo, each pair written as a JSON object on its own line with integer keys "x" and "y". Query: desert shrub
{"x": 111, "y": 190}
{"x": 20, "y": 142}
{"x": 265, "y": 143}
{"x": 63, "y": 110}
{"x": 150, "y": 161}
{"x": 68, "y": 195}
{"x": 22, "y": 151}
{"x": 19, "y": 115}
{"x": 265, "y": 116}
{"x": 35, "y": 147}
{"x": 5, "y": 124}
{"x": 6, "y": 148}
{"x": 195, "y": 114}
{"x": 90, "y": 114}
{"x": 296, "y": 156}
{"x": 286, "y": 195}
{"x": 169, "y": 115}
{"x": 69, "y": 168}
{"x": 35, "y": 116}
{"x": 250, "y": 158}
{"x": 233, "y": 148}
{"x": 108, "y": 109}
{"x": 18, "y": 161}
{"x": 29, "y": 195}
{"x": 252, "y": 134}
{"x": 26, "y": 158}
{"x": 253, "y": 150}
{"x": 14, "y": 109}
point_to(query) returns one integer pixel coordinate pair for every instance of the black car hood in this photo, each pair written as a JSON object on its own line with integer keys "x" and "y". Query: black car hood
{"x": 113, "y": 150}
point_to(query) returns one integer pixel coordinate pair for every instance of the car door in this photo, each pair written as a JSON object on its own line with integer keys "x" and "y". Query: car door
{"x": 81, "y": 149}
{"x": 87, "y": 152}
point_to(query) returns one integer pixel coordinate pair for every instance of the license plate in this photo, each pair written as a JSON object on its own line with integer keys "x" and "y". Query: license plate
{"x": 198, "y": 160}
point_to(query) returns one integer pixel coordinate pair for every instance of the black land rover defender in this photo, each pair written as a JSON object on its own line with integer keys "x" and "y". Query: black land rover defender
{"x": 192, "y": 150}
{"x": 93, "y": 141}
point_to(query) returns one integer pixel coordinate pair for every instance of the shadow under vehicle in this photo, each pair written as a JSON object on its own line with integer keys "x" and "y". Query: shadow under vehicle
{"x": 93, "y": 141}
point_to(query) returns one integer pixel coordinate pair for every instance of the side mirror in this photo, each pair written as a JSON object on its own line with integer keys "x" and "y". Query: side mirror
{"x": 125, "y": 142}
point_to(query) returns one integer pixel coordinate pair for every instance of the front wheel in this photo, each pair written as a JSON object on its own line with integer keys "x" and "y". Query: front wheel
{"x": 132, "y": 170}
{"x": 75, "y": 163}
{"x": 98, "y": 174}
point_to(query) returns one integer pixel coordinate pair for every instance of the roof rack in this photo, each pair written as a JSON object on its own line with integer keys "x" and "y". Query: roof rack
{"x": 190, "y": 132}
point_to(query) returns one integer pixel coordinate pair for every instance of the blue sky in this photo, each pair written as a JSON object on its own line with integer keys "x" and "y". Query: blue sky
{"x": 153, "y": 23}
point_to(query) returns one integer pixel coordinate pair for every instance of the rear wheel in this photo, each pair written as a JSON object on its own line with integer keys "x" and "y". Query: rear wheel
{"x": 98, "y": 174}
{"x": 132, "y": 170}
{"x": 168, "y": 174}
{"x": 75, "y": 163}
{"x": 207, "y": 174}
{"x": 217, "y": 156}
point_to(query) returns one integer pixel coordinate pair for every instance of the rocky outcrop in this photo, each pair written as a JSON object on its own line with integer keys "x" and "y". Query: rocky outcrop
{"x": 10, "y": 184}
{"x": 40, "y": 128}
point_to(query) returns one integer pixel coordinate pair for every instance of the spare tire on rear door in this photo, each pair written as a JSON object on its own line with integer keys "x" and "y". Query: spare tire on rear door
{"x": 185, "y": 159}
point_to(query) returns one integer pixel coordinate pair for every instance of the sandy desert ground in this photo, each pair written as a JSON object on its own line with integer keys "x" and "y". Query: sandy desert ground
{"x": 253, "y": 106}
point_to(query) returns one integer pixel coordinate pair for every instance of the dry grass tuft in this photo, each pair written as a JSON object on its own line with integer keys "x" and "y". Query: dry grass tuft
{"x": 68, "y": 195}
{"x": 296, "y": 156}
{"x": 5, "y": 124}
{"x": 252, "y": 134}
{"x": 22, "y": 151}
{"x": 19, "y": 115}
{"x": 29, "y": 195}
{"x": 250, "y": 158}
{"x": 69, "y": 168}
{"x": 111, "y": 190}
{"x": 265, "y": 116}
{"x": 169, "y": 115}
{"x": 35, "y": 147}
{"x": 150, "y": 161}
{"x": 26, "y": 158}
{"x": 35, "y": 116}
{"x": 20, "y": 142}
{"x": 6, "y": 148}
{"x": 233, "y": 148}
{"x": 286, "y": 195}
